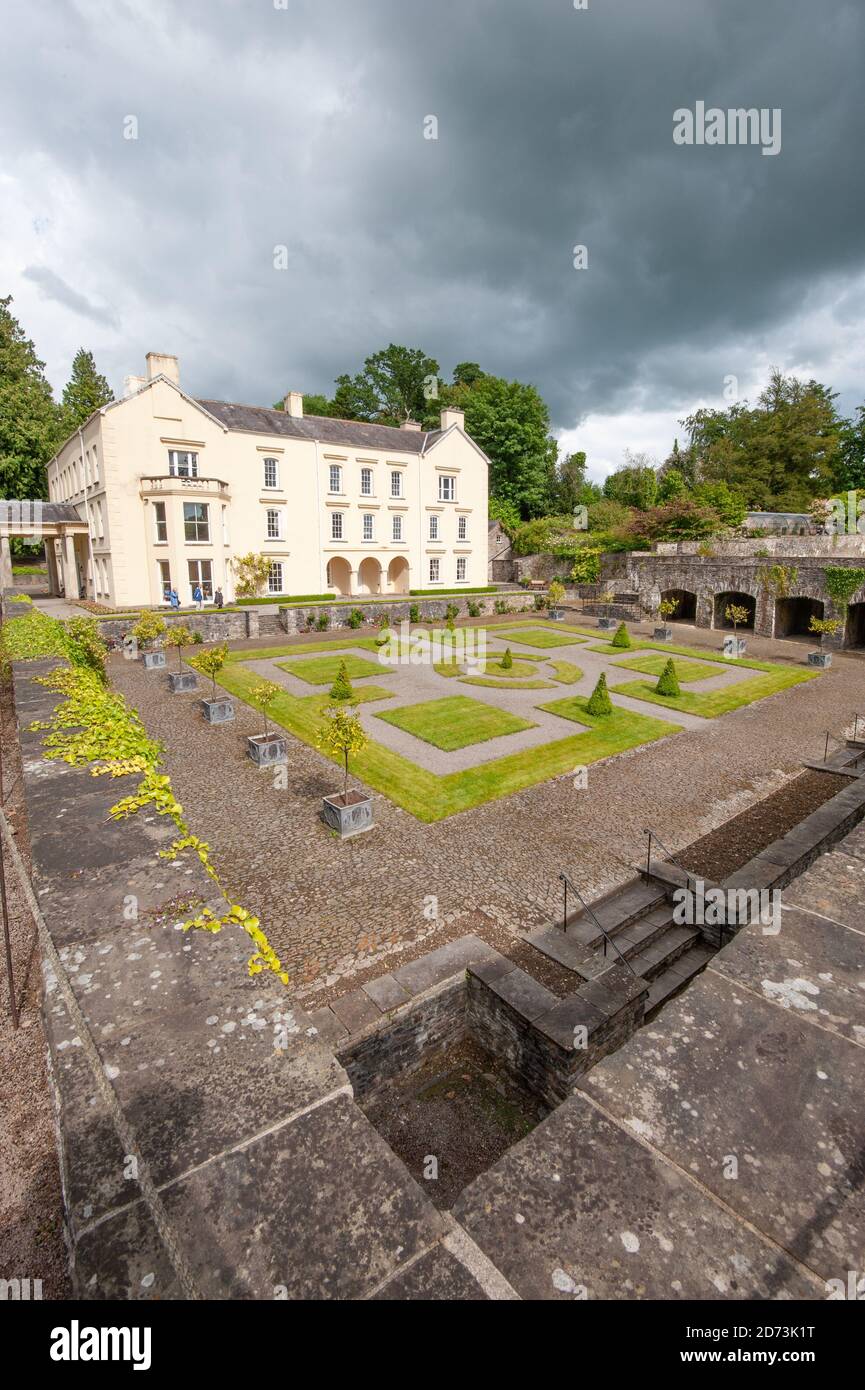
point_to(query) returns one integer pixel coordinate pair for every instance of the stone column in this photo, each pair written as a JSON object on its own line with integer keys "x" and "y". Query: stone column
{"x": 70, "y": 569}
{"x": 5, "y": 563}
{"x": 53, "y": 576}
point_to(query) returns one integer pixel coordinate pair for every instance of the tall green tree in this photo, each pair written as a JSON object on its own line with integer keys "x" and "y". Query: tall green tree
{"x": 635, "y": 484}
{"x": 85, "y": 391}
{"x": 570, "y": 482}
{"x": 850, "y": 471}
{"x": 778, "y": 454}
{"x": 395, "y": 385}
{"x": 510, "y": 421}
{"x": 30, "y": 425}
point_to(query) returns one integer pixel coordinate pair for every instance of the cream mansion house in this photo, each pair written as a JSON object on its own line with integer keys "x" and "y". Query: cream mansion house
{"x": 168, "y": 490}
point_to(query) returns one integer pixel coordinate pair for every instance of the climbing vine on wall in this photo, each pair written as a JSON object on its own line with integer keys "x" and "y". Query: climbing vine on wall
{"x": 842, "y": 584}
{"x": 93, "y": 724}
{"x": 778, "y": 579}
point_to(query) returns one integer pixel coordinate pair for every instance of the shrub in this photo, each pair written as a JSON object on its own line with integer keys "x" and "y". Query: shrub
{"x": 668, "y": 681}
{"x": 355, "y": 618}
{"x": 452, "y": 610}
{"x": 586, "y": 568}
{"x": 507, "y": 660}
{"x": 599, "y": 701}
{"x": 342, "y": 688}
{"x": 500, "y": 606}
{"x": 540, "y": 603}
{"x": 85, "y": 645}
{"x": 736, "y": 613}
{"x": 475, "y": 609}
{"x": 262, "y": 696}
{"x": 556, "y": 592}
{"x": 622, "y": 637}
{"x": 197, "y": 638}
{"x": 414, "y": 614}
{"x": 250, "y": 574}
{"x": 179, "y": 636}
{"x": 148, "y": 628}
{"x": 667, "y": 607}
{"x": 211, "y": 662}
{"x": 322, "y": 622}
{"x": 342, "y": 736}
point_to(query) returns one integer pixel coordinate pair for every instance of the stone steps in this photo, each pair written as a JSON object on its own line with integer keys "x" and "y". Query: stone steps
{"x": 662, "y": 953}
{"x": 615, "y": 912}
{"x": 669, "y": 982}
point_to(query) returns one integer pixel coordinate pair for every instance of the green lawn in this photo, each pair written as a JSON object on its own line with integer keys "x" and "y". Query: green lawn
{"x": 565, "y": 672}
{"x": 709, "y": 704}
{"x": 686, "y": 670}
{"x": 455, "y": 721}
{"x": 494, "y": 683}
{"x": 607, "y": 648}
{"x": 429, "y": 797}
{"x": 518, "y": 670}
{"x": 542, "y": 637}
{"x": 323, "y": 670}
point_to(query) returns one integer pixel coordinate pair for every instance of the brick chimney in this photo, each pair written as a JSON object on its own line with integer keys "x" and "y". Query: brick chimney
{"x": 163, "y": 364}
{"x": 293, "y": 404}
{"x": 410, "y": 425}
{"x": 452, "y": 416}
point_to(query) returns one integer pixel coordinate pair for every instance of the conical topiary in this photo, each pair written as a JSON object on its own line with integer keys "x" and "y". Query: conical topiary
{"x": 342, "y": 687}
{"x": 668, "y": 681}
{"x": 622, "y": 637}
{"x": 507, "y": 660}
{"x": 599, "y": 700}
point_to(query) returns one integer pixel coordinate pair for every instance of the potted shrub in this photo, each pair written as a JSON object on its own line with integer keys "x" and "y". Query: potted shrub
{"x": 147, "y": 630}
{"x": 622, "y": 639}
{"x": 735, "y": 613}
{"x": 347, "y": 812}
{"x": 606, "y": 622}
{"x": 556, "y": 592}
{"x": 666, "y": 609}
{"x": 219, "y": 708}
{"x": 269, "y": 747}
{"x": 182, "y": 679}
{"x": 827, "y": 627}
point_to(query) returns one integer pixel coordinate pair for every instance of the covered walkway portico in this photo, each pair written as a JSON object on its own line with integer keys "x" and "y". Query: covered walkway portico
{"x": 64, "y": 534}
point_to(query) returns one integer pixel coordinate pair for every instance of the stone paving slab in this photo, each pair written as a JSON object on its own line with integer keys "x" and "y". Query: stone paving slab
{"x": 812, "y": 966}
{"x": 723, "y": 1072}
{"x": 191, "y": 1088}
{"x": 835, "y": 887}
{"x": 437, "y": 1276}
{"x": 124, "y": 1260}
{"x": 322, "y": 1208}
{"x": 578, "y": 1205}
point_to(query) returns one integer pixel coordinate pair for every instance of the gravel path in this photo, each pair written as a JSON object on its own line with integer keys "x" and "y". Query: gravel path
{"x": 336, "y": 912}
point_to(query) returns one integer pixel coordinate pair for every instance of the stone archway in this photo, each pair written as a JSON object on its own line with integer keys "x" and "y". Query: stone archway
{"x": 793, "y": 615}
{"x": 855, "y": 628}
{"x": 398, "y": 575}
{"x": 741, "y": 600}
{"x": 369, "y": 576}
{"x": 339, "y": 576}
{"x": 686, "y": 599}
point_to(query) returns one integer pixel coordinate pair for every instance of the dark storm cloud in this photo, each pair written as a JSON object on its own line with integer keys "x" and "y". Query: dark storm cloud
{"x": 302, "y": 127}
{"x": 54, "y": 288}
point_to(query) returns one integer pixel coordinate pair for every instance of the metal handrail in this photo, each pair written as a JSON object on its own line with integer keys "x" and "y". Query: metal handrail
{"x": 653, "y": 835}
{"x": 605, "y": 934}
{"x": 829, "y": 735}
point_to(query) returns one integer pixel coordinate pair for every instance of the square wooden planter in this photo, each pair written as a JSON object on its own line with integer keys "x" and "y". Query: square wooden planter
{"x": 154, "y": 661}
{"x": 663, "y": 634}
{"x": 179, "y": 682}
{"x": 217, "y": 711}
{"x": 266, "y": 750}
{"x": 606, "y": 624}
{"x": 823, "y": 659}
{"x": 349, "y": 815}
{"x": 557, "y": 615}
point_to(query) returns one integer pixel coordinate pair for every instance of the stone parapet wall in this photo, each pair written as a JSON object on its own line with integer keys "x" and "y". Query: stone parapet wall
{"x": 294, "y": 619}
{"x": 825, "y": 548}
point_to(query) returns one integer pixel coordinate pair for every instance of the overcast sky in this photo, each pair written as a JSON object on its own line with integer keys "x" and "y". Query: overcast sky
{"x": 300, "y": 123}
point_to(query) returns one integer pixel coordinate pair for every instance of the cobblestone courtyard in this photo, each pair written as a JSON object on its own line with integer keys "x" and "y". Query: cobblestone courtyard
{"x": 338, "y": 912}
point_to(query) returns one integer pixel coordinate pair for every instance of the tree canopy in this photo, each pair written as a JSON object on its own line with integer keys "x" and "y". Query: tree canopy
{"x": 30, "y": 424}
{"x": 85, "y": 391}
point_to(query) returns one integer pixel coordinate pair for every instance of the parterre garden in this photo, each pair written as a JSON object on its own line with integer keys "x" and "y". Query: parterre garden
{"x": 527, "y": 657}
